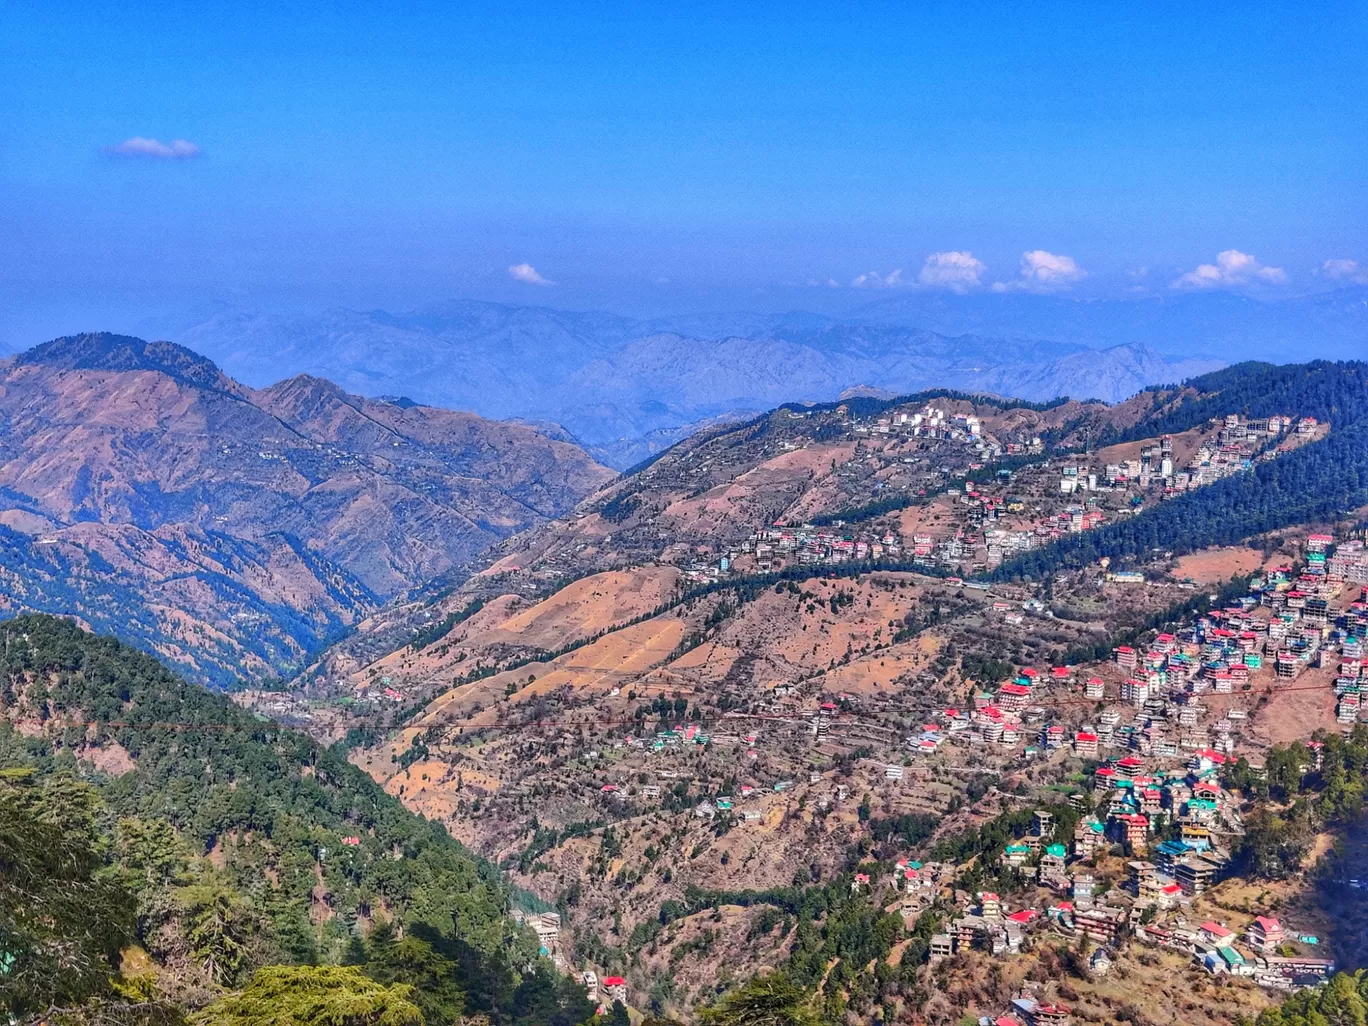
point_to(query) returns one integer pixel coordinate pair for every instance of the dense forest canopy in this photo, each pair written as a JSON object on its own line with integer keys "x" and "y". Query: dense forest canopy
{"x": 221, "y": 844}
{"x": 1333, "y": 391}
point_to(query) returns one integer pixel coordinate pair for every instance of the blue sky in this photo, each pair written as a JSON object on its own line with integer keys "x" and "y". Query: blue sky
{"x": 651, "y": 156}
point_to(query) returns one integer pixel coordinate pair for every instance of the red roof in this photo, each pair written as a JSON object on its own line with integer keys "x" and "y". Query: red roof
{"x": 1024, "y": 916}
{"x": 1083, "y": 735}
{"x": 613, "y": 981}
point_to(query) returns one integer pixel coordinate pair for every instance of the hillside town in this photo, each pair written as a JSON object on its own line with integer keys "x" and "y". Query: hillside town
{"x": 982, "y": 514}
{"x": 1136, "y": 753}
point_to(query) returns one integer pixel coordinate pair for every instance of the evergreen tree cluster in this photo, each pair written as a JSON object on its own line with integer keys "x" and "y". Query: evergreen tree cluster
{"x": 238, "y": 855}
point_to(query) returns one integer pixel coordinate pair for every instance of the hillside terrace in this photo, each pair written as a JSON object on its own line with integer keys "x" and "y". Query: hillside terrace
{"x": 723, "y": 774}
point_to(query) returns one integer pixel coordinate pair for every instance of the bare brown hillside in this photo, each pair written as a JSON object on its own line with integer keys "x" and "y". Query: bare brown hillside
{"x": 233, "y": 530}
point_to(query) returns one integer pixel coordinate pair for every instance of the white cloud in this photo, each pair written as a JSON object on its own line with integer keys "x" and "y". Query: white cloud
{"x": 955, "y": 270}
{"x": 1043, "y": 271}
{"x": 527, "y": 273}
{"x": 1345, "y": 270}
{"x": 1050, "y": 270}
{"x": 1231, "y": 269}
{"x": 137, "y": 146}
{"x": 875, "y": 280}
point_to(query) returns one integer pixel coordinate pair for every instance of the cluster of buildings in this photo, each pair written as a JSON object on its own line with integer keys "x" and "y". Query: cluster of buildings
{"x": 1153, "y": 906}
{"x": 1155, "y": 754}
{"x": 604, "y": 991}
{"x": 1076, "y": 519}
{"x": 1028, "y": 1011}
{"x": 776, "y": 546}
{"x": 1153, "y": 465}
{"x": 930, "y": 421}
{"x": 683, "y": 735}
{"x": 1002, "y": 544}
{"x": 1238, "y": 444}
{"x": 1157, "y": 795}
{"x": 1235, "y": 447}
{"x": 1286, "y": 623}
{"x": 1181, "y": 818}
{"x": 547, "y": 927}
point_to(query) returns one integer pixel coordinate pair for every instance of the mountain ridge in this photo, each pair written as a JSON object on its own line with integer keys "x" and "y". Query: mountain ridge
{"x": 235, "y": 529}
{"x": 614, "y": 382}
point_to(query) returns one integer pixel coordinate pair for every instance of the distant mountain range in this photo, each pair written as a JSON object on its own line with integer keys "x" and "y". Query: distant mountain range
{"x": 626, "y": 388}
{"x": 232, "y": 529}
{"x": 1214, "y": 324}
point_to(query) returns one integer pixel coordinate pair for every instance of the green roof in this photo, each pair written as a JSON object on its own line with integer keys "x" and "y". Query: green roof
{"x": 1231, "y": 956}
{"x": 1057, "y": 850}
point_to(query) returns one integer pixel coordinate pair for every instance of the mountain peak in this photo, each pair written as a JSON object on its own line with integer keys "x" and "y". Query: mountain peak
{"x": 103, "y": 350}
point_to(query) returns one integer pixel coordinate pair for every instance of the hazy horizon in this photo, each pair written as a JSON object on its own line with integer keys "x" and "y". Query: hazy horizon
{"x": 653, "y": 162}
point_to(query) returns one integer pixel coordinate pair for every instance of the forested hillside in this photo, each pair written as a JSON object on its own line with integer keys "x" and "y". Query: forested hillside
{"x": 182, "y": 845}
{"x": 1318, "y": 482}
{"x": 1334, "y": 391}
